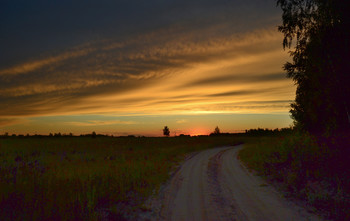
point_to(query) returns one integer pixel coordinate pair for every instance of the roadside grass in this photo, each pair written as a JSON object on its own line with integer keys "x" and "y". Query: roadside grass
{"x": 84, "y": 178}
{"x": 313, "y": 171}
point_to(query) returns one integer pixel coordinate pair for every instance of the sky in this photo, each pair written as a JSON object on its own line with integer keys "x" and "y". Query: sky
{"x": 131, "y": 67}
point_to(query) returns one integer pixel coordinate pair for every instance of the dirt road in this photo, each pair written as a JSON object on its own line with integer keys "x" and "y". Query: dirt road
{"x": 213, "y": 185}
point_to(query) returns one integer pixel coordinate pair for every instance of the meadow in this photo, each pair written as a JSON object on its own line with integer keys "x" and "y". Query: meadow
{"x": 86, "y": 178}
{"x": 106, "y": 178}
{"x": 313, "y": 171}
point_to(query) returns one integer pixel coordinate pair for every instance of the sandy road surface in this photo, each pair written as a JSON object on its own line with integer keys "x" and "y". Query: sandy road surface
{"x": 213, "y": 185}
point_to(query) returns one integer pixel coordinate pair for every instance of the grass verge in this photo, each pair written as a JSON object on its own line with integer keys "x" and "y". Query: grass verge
{"x": 312, "y": 170}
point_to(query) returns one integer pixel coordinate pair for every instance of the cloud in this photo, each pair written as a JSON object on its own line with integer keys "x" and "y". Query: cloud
{"x": 153, "y": 58}
{"x": 161, "y": 71}
{"x": 99, "y": 123}
{"x": 234, "y": 93}
{"x": 11, "y": 121}
{"x": 38, "y": 64}
{"x": 182, "y": 121}
{"x": 238, "y": 78}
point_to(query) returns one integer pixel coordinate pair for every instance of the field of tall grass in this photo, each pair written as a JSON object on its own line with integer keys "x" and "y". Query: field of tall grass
{"x": 309, "y": 169}
{"x": 85, "y": 178}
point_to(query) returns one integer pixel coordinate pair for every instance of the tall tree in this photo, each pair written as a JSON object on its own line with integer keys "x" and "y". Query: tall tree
{"x": 319, "y": 32}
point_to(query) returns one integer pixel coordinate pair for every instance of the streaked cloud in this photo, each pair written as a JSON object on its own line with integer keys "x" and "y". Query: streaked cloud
{"x": 126, "y": 78}
{"x": 38, "y": 64}
{"x": 181, "y": 121}
{"x": 230, "y": 79}
{"x": 11, "y": 121}
{"x": 148, "y": 59}
{"x": 99, "y": 123}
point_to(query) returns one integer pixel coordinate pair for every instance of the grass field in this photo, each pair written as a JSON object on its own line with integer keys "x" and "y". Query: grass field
{"x": 84, "y": 178}
{"x": 311, "y": 170}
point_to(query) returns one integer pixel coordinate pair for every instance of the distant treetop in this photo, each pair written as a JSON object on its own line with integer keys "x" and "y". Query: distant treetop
{"x": 166, "y": 131}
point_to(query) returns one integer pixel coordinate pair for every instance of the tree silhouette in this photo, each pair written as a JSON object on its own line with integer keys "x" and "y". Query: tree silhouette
{"x": 166, "y": 131}
{"x": 216, "y": 130}
{"x": 320, "y": 69}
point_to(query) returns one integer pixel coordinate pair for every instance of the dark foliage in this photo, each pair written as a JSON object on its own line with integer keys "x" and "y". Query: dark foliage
{"x": 319, "y": 30}
{"x": 166, "y": 131}
{"x": 216, "y": 130}
{"x": 269, "y": 132}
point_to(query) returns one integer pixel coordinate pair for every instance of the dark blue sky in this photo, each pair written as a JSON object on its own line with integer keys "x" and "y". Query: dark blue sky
{"x": 33, "y": 28}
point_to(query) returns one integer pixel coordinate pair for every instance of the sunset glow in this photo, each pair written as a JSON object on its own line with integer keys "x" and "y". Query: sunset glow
{"x": 129, "y": 77}
{"x": 199, "y": 131}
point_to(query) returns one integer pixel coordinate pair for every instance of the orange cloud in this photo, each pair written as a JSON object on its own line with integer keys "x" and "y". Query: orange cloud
{"x": 157, "y": 74}
{"x": 11, "y": 121}
{"x": 100, "y": 123}
{"x": 37, "y": 64}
